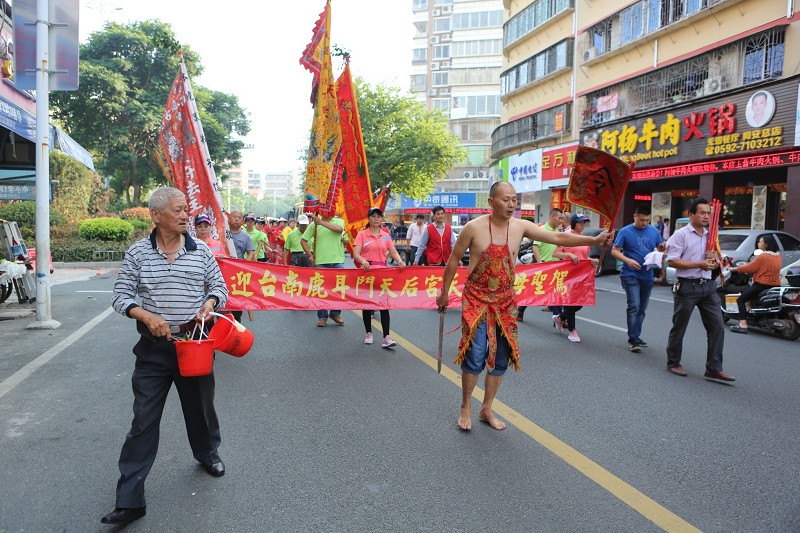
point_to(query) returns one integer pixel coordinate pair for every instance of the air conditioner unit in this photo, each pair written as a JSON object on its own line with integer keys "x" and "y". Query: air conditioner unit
{"x": 434, "y": 66}
{"x": 446, "y": 37}
{"x": 468, "y": 175}
{"x": 431, "y": 92}
{"x": 712, "y": 85}
{"x": 437, "y": 12}
{"x": 435, "y": 40}
{"x": 447, "y": 9}
{"x": 590, "y": 54}
{"x": 481, "y": 174}
{"x": 445, "y": 63}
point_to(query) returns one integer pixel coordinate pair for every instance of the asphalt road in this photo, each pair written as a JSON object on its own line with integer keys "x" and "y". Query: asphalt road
{"x": 323, "y": 433}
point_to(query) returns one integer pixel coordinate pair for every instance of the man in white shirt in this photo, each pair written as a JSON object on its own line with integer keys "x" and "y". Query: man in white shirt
{"x": 415, "y": 236}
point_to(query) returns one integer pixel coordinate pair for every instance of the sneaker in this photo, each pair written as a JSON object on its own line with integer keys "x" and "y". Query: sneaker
{"x": 339, "y": 320}
{"x": 369, "y": 339}
{"x": 635, "y": 347}
{"x": 573, "y": 336}
{"x": 641, "y": 343}
{"x": 388, "y": 342}
{"x": 322, "y": 322}
{"x": 557, "y": 324}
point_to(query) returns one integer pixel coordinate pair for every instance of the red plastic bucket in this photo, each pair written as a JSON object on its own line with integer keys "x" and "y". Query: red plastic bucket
{"x": 196, "y": 356}
{"x": 230, "y": 336}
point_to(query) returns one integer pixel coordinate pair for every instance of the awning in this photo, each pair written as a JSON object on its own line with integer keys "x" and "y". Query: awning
{"x": 23, "y": 123}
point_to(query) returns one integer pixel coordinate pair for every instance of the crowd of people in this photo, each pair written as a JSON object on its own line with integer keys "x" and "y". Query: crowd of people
{"x": 179, "y": 284}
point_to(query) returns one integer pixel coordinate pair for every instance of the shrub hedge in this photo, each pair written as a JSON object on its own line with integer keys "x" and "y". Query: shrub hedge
{"x": 105, "y": 229}
{"x": 78, "y": 250}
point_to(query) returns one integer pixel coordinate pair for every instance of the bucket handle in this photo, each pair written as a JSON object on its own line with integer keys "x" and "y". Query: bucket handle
{"x": 202, "y": 330}
{"x": 239, "y": 327}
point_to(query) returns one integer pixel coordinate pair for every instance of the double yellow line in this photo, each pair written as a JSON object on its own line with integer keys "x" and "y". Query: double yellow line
{"x": 644, "y": 505}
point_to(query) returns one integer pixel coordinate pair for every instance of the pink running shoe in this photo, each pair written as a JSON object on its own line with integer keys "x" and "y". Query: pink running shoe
{"x": 369, "y": 339}
{"x": 557, "y": 323}
{"x": 573, "y": 336}
{"x": 388, "y": 342}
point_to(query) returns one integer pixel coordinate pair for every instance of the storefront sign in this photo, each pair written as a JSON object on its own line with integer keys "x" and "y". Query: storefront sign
{"x": 20, "y": 192}
{"x": 447, "y": 200}
{"x": 557, "y": 162}
{"x": 781, "y": 159}
{"x": 261, "y": 286}
{"x": 749, "y": 120}
{"x": 525, "y": 171}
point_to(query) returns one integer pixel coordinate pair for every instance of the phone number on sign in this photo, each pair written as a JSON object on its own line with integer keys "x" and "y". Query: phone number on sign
{"x": 754, "y": 144}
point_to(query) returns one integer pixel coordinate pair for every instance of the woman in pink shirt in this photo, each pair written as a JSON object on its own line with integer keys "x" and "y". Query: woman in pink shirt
{"x": 369, "y": 251}
{"x": 575, "y": 254}
{"x": 202, "y": 226}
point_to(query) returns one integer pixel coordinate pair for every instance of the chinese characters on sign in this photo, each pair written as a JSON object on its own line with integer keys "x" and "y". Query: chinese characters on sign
{"x": 261, "y": 286}
{"x": 781, "y": 159}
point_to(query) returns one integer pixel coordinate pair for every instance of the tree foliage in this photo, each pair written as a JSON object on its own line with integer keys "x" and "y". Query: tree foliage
{"x": 127, "y": 71}
{"x": 406, "y": 143}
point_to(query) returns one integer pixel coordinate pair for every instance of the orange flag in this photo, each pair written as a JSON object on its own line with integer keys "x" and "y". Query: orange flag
{"x": 598, "y": 181}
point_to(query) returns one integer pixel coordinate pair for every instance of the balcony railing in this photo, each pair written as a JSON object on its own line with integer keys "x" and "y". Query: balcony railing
{"x": 526, "y": 130}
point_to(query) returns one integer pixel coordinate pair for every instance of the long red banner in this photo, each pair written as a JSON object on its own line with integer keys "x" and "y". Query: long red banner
{"x": 269, "y": 287}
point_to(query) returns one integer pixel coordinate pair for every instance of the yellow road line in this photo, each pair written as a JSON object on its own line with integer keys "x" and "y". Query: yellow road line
{"x": 644, "y": 505}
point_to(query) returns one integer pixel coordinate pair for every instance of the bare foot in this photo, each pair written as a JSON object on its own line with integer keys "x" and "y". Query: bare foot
{"x": 465, "y": 420}
{"x": 487, "y": 416}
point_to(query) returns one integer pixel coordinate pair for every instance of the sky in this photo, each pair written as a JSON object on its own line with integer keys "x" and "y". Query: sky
{"x": 252, "y": 50}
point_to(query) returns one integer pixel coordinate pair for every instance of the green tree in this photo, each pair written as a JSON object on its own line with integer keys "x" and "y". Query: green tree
{"x": 406, "y": 143}
{"x": 127, "y": 71}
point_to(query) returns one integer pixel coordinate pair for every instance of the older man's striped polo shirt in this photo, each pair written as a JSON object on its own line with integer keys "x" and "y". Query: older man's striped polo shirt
{"x": 174, "y": 291}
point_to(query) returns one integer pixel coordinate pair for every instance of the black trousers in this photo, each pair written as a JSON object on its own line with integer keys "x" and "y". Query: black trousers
{"x": 568, "y": 314}
{"x": 367, "y": 317}
{"x": 155, "y": 371}
{"x": 705, "y": 298}
{"x": 748, "y": 294}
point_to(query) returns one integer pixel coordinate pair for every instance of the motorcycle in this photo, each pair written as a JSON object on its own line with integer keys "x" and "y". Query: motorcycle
{"x": 775, "y": 310}
{"x": 525, "y": 254}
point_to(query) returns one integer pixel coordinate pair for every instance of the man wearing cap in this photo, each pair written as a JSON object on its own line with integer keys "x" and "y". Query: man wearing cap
{"x": 202, "y": 226}
{"x": 179, "y": 284}
{"x": 258, "y": 237}
{"x": 437, "y": 241}
{"x": 293, "y": 253}
{"x": 322, "y": 241}
{"x": 632, "y": 244}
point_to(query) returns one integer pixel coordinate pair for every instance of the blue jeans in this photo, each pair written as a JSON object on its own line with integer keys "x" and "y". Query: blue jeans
{"x": 325, "y": 314}
{"x": 638, "y": 294}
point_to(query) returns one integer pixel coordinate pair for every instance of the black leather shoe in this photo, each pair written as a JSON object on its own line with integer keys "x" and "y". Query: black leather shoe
{"x": 217, "y": 469}
{"x": 123, "y": 516}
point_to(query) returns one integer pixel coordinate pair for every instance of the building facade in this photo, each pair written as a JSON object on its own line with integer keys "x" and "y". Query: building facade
{"x": 702, "y": 94}
{"x": 457, "y": 59}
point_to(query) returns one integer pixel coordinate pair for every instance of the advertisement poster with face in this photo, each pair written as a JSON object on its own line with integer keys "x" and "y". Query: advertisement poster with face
{"x": 760, "y": 109}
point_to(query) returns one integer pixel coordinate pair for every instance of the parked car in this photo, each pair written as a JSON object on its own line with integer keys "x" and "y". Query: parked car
{"x": 465, "y": 258}
{"x": 739, "y": 245}
{"x": 610, "y": 264}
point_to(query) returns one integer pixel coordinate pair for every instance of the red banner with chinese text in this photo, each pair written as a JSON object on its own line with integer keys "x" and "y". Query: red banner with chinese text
{"x": 259, "y": 286}
{"x": 189, "y": 160}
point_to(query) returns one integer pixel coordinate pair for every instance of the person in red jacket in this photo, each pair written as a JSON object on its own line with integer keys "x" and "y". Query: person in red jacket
{"x": 766, "y": 270}
{"x": 438, "y": 240}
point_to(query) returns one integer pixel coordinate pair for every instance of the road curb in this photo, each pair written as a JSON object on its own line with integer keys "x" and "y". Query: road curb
{"x": 91, "y": 264}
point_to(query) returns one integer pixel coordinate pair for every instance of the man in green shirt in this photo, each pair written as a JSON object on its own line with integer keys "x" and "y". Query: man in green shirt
{"x": 293, "y": 252}
{"x": 328, "y": 252}
{"x": 259, "y": 238}
{"x": 543, "y": 252}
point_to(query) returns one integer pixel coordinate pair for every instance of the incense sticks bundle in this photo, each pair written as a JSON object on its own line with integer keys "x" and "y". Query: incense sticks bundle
{"x": 713, "y": 225}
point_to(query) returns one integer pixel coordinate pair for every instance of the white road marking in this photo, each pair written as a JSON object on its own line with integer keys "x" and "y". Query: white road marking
{"x": 623, "y": 293}
{"x": 23, "y": 373}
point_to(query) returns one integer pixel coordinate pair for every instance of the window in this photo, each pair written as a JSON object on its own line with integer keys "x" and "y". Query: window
{"x": 485, "y": 47}
{"x": 763, "y": 57}
{"x": 533, "y": 16}
{"x": 480, "y": 19}
{"x": 632, "y": 23}
{"x": 441, "y": 51}
{"x": 418, "y": 82}
{"x": 420, "y": 55}
{"x": 441, "y": 25}
{"x": 479, "y": 106}
{"x": 789, "y": 243}
{"x": 442, "y": 2}
{"x": 421, "y": 27}
{"x": 442, "y": 104}
{"x": 543, "y": 64}
{"x": 440, "y": 79}
{"x": 420, "y": 5}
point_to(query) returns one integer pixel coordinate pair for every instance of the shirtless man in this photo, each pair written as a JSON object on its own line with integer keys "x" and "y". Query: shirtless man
{"x": 488, "y": 317}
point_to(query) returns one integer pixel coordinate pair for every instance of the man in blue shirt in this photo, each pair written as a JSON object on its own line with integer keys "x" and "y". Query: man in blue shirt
{"x": 632, "y": 244}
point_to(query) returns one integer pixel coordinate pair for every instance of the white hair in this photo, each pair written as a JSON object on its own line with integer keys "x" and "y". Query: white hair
{"x": 159, "y": 198}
